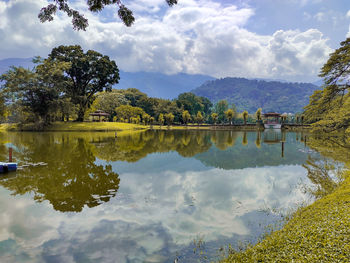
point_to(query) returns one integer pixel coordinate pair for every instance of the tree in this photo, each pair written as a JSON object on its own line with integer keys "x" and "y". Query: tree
{"x": 199, "y": 117}
{"x": 229, "y": 115}
{"x": 89, "y": 73}
{"x": 127, "y": 112}
{"x": 151, "y": 121}
{"x": 245, "y": 116}
{"x": 220, "y": 109}
{"x": 258, "y": 114}
{"x": 186, "y": 117}
{"x": 37, "y": 91}
{"x": 329, "y": 109}
{"x": 169, "y": 118}
{"x": 3, "y": 108}
{"x": 146, "y": 118}
{"x": 214, "y": 117}
{"x": 79, "y": 21}
{"x": 161, "y": 119}
{"x": 108, "y": 102}
{"x": 192, "y": 103}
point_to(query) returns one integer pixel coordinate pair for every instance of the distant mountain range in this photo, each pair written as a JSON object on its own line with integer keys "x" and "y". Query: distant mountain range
{"x": 246, "y": 94}
{"x": 250, "y": 94}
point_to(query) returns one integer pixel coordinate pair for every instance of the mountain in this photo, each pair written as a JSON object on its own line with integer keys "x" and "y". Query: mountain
{"x": 160, "y": 85}
{"x": 5, "y": 64}
{"x": 153, "y": 84}
{"x": 249, "y": 94}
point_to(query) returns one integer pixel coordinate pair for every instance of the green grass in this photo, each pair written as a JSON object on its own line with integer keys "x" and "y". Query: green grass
{"x": 316, "y": 233}
{"x": 78, "y": 126}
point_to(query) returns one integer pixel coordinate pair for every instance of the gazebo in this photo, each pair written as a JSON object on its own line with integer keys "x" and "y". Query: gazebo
{"x": 99, "y": 114}
{"x": 272, "y": 120}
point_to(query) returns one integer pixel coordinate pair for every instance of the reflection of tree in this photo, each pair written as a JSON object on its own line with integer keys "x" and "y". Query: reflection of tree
{"x": 319, "y": 172}
{"x": 137, "y": 146}
{"x": 223, "y": 139}
{"x": 258, "y": 139}
{"x": 70, "y": 180}
{"x": 334, "y": 147}
{"x": 244, "y": 139}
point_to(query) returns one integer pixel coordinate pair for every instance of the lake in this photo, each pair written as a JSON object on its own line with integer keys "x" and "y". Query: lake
{"x": 152, "y": 196}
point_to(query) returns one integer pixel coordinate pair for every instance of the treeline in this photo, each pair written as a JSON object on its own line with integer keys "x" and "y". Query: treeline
{"x": 131, "y": 105}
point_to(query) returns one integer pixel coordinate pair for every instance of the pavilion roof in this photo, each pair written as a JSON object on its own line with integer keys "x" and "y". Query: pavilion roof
{"x": 272, "y": 114}
{"x": 99, "y": 113}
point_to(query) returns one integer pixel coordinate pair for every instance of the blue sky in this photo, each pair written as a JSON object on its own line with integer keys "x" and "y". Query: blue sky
{"x": 289, "y": 39}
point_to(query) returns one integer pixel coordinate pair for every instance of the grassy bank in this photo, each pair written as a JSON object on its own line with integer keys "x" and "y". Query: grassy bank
{"x": 77, "y": 126}
{"x": 121, "y": 126}
{"x": 316, "y": 233}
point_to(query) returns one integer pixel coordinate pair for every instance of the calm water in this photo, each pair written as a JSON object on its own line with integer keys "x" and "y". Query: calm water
{"x": 150, "y": 197}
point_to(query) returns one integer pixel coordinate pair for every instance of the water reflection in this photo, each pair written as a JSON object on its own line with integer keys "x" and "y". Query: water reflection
{"x": 147, "y": 196}
{"x": 71, "y": 179}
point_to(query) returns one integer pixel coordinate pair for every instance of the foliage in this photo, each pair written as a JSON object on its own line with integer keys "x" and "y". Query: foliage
{"x": 229, "y": 115}
{"x": 146, "y": 118}
{"x": 127, "y": 112}
{"x": 89, "y": 73}
{"x": 186, "y": 117}
{"x": 329, "y": 109}
{"x": 199, "y": 117}
{"x": 220, "y": 109}
{"x": 258, "y": 114}
{"x": 161, "y": 119}
{"x": 192, "y": 103}
{"x": 79, "y": 21}
{"x": 245, "y": 116}
{"x": 214, "y": 117}
{"x": 251, "y": 94}
{"x": 169, "y": 118}
{"x": 108, "y": 102}
{"x": 36, "y": 91}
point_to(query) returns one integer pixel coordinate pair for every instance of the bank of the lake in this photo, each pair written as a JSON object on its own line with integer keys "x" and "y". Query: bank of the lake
{"x": 316, "y": 233}
{"x": 129, "y": 127}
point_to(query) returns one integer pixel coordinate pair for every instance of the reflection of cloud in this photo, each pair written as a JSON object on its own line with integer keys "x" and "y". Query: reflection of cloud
{"x": 152, "y": 215}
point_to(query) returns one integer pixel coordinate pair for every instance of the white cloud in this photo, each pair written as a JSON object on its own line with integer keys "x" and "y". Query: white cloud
{"x": 320, "y": 16}
{"x": 194, "y": 37}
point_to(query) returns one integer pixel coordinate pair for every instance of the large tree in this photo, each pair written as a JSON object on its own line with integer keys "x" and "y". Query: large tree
{"x": 36, "y": 91}
{"x": 89, "y": 73}
{"x": 78, "y": 20}
{"x": 329, "y": 109}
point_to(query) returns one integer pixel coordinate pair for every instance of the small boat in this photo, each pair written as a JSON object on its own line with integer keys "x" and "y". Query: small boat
{"x": 7, "y": 167}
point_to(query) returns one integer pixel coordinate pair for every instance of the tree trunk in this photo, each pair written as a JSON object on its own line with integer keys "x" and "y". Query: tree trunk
{"x": 81, "y": 113}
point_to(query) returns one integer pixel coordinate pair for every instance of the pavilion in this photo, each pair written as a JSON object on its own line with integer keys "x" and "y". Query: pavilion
{"x": 99, "y": 114}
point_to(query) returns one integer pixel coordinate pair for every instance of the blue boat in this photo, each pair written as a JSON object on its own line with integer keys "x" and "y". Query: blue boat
{"x": 7, "y": 167}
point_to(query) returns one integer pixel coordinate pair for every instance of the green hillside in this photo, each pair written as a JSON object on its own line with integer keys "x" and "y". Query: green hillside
{"x": 253, "y": 94}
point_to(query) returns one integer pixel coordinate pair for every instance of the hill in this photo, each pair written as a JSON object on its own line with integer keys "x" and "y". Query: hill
{"x": 160, "y": 85}
{"x": 252, "y": 94}
{"x": 153, "y": 84}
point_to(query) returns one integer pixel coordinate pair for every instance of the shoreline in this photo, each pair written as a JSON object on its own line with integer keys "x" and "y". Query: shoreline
{"x": 121, "y": 126}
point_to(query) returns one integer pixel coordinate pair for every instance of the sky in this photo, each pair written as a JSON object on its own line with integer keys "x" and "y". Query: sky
{"x": 273, "y": 39}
